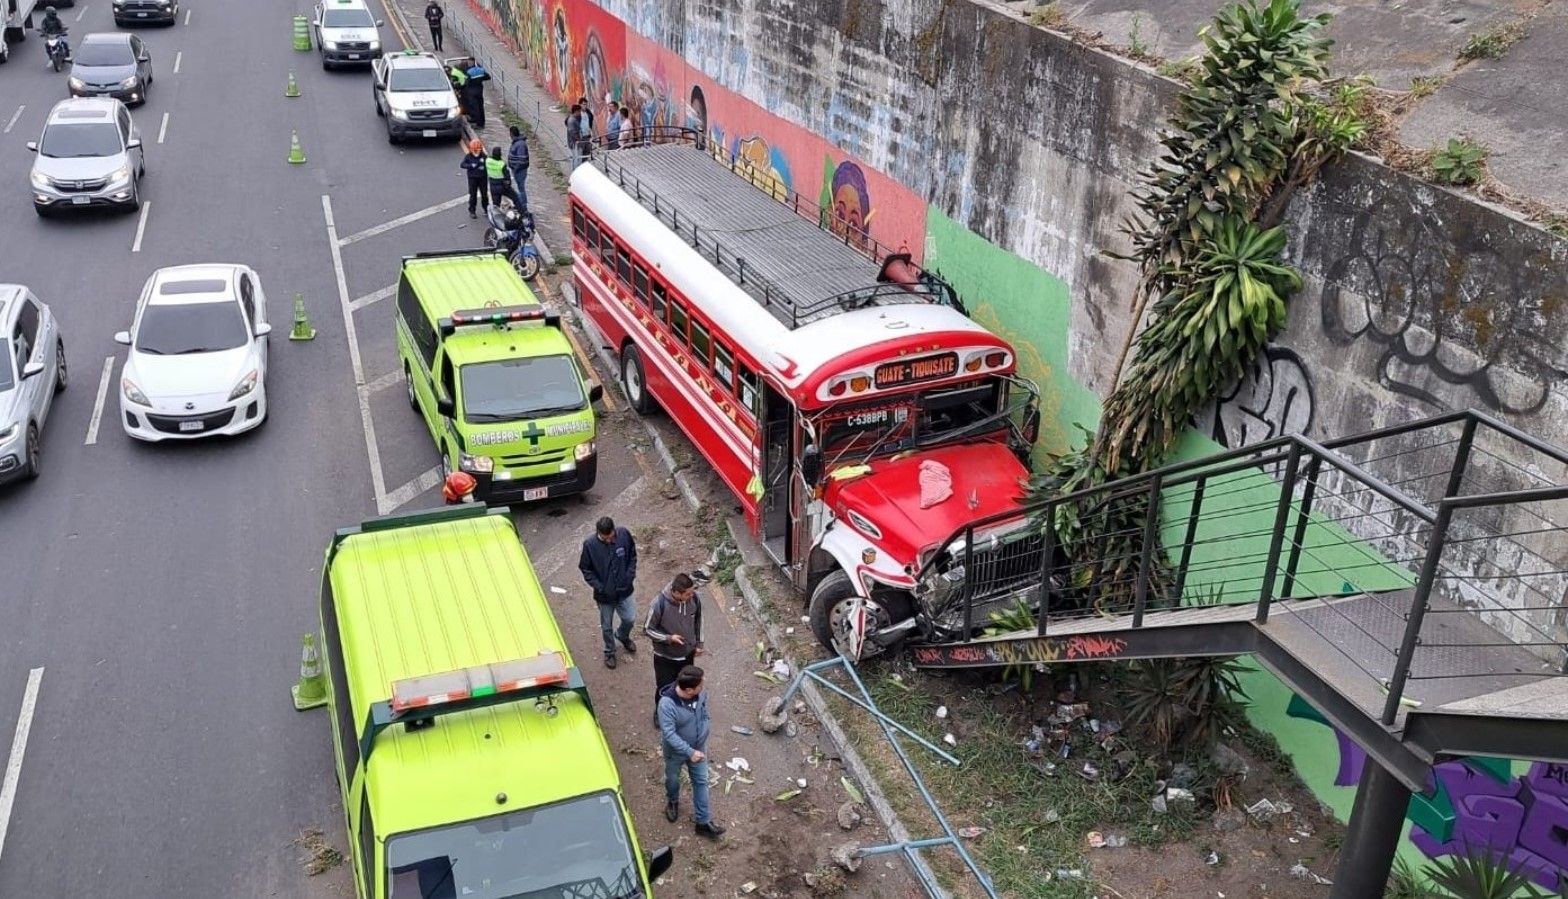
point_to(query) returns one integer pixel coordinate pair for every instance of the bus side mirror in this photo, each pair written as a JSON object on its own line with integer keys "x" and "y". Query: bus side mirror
{"x": 811, "y": 465}
{"x": 659, "y": 861}
{"x": 596, "y": 393}
{"x": 445, "y": 406}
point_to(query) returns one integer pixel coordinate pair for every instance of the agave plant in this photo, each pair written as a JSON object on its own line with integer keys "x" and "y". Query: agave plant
{"x": 1188, "y": 700}
{"x": 1480, "y": 875}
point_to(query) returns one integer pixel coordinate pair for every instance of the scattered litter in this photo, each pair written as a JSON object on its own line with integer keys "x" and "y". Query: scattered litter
{"x": 941, "y": 711}
{"x": 738, "y": 764}
{"x": 1089, "y": 771}
{"x": 805, "y": 619}
{"x": 1158, "y": 803}
{"x": 786, "y": 796}
{"x": 1302, "y": 872}
{"x": 1177, "y": 794}
{"x": 1212, "y": 859}
{"x": 1052, "y": 816}
{"x": 742, "y": 779}
{"x": 748, "y": 888}
{"x": 741, "y": 729}
{"x": 780, "y": 669}
{"x": 790, "y": 729}
{"x": 762, "y": 651}
{"x": 854, "y": 792}
{"x": 949, "y": 739}
{"x": 800, "y": 782}
{"x": 1267, "y": 810}
{"x": 1069, "y": 874}
{"x": 898, "y": 682}
{"x": 970, "y": 833}
{"x": 767, "y": 676}
{"x": 561, "y": 591}
{"x": 789, "y": 631}
{"x": 1097, "y": 840}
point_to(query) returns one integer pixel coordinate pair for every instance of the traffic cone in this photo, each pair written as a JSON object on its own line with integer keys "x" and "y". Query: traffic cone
{"x": 296, "y": 152}
{"x": 302, "y": 329}
{"x": 292, "y": 89}
{"x": 311, "y": 691}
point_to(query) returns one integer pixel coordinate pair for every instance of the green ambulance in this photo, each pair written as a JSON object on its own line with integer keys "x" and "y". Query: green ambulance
{"x": 494, "y": 377}
{"x": 470, "y": 763}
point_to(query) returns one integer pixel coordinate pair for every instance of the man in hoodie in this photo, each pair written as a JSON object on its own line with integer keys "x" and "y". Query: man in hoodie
{"x": 609, "y": 566}
{"x": 683, "y": 729}
{"x": 675, "y": 626}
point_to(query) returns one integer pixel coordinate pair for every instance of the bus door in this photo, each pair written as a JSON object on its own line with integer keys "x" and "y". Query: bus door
{"x": 778, "y": 458}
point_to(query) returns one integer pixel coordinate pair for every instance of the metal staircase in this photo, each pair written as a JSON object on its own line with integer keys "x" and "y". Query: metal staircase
{"x": 1411, "y": 583}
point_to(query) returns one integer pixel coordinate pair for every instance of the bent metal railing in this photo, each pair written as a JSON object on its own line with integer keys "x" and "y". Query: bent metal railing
{"x": 1460, "y": 514}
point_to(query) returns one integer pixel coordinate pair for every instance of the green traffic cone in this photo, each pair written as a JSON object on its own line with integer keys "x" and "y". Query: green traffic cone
{"x": 292, "y": 88}
{"x": 302, "y": 329}
{"x": 296, "y": 152}
{"x": 311, "y": 691}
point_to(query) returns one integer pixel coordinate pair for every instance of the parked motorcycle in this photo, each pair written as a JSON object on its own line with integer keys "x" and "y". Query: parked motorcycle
{"x": 513, "y": 232}
{"x": 58, "y": 50}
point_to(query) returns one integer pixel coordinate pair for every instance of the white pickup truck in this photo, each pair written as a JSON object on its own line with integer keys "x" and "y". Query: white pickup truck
{"x": 414, "y": 95}
{"x": 17, "y": 18}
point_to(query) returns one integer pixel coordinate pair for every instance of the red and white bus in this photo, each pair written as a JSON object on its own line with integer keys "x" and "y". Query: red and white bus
{"x": 824, "y": 378}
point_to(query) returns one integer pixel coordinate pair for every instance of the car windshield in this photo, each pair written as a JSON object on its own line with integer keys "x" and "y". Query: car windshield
{"x": 5, "y": 366}
{"x": 574, "y": 848}
{"x": 103, "y": 53}
{"x": 422, "y": 78}
{"x": 347, "y": 18}
{"x": 182, "y": 328}
{"x": 77, "y": 140}
{"x": 514, "y": 389}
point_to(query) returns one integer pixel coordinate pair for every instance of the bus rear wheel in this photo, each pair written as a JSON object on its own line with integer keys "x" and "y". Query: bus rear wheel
{"x": 634, "y": 381}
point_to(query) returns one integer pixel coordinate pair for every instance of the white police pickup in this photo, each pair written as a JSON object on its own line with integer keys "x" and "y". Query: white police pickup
{"x": 346, "y": 33}
{"x": 415, "y": 97}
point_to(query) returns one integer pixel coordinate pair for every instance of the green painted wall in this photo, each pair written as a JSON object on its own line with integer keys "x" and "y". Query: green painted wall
{"x": 1027, "y": 306}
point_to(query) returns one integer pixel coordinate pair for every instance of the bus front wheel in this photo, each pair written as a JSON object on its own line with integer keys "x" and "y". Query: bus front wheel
{"x": 634, "y": 380}
{"x": 833, "y": 605}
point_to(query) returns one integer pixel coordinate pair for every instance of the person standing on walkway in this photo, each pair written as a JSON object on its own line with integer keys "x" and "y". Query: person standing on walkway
{"x": 628, "y": 131}
{"x": 609, "y": 567}
{"x": 674, "y": 625}
{"x": 683, "y": 731}
{"x": 433, "y": 15}
{"x": 472, "y": 94}
{"x": 500, "y": 184}
{"x": 517, "y": 163}
{"x": 574, "y": 134}
{"x": 474, "y": 168}
{"x": 587, "y": 116}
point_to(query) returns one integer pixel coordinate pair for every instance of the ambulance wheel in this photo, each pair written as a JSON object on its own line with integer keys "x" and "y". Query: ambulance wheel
{"x": 635, "y": 382}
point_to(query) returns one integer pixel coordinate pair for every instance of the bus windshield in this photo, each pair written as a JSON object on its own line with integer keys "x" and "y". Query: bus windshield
{"x": 574, "y": 848}
{"x": 859, "y": 431}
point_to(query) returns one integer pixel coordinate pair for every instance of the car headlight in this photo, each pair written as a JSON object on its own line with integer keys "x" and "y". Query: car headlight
{"x": 8, "y": 432}
{"x": 329, "y": 45}
{"x": 76, "y": 83}
{"x": 129, "y": 82}
{"x": 123, "y": 173}
{"x": 399, "y": 114}
{"x": 42, "y": 180}
{"x": 583, "y": 450}
{"x": 134, "y": 393}
{"x": 481, "y": 464}
{"x": 375, "y": 46}
{"x": 246, "y": 385}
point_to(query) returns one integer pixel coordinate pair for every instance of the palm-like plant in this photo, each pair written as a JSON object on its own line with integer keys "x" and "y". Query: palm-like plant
{"x": 1190, "y": 700}
{"x": 1480, "y": 875}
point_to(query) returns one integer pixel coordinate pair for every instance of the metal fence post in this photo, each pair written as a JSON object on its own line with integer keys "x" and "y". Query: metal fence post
{"x": 1151, "y": 525}
{"x": 1456, "y": 475}
{"x": 1287, "y": 489}
{"x": 1407, "y": 645}
{"x": 1302, "y": 520}
{"x": 1047, "y": 566}
{"x": 1189, "y": 538}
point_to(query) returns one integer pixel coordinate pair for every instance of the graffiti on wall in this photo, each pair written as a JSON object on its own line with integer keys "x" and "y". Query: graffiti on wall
{"x": 1275, "y": 397}
{"x": 1474, "y": 322}
{"x": 1038, "y": 651}
{"x": 1475, "y": 806}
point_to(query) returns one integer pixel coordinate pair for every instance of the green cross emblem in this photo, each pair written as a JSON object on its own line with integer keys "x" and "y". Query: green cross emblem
{"x": 533, "y": 432}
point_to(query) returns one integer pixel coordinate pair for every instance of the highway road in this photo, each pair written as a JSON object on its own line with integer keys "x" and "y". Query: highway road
{"x": 152, "y": 598}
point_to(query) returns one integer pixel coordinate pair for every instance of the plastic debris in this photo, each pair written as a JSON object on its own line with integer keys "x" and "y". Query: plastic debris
{"x": 1302, "y": 872}
{"x": 941, "y": 712}
{"x": 780, "y": 669}
{"x": 738, "y": 764}
{"x": 970, "y": 833}
{"x": 853, "y": 791}
{"x": 767, "y": 676}
{"x": 949, "y": 739}
{"x": 1052, "y": 816}
{"x": 800, "y": 782}
{"x": 786, "y": 796}
{"x": 748, "y": 888}
{"x": 741, "y": 729}
{"x": 789, "y": 631}
{"x": 1089, "y": 771}
{"x": 1267, "y": 810}
{"x": 1213, "y": 858}
{"x": 1069, "y": 874}
{"x": 559, "y": 591}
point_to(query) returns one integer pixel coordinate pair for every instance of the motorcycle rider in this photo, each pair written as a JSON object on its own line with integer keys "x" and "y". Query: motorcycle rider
{"x": 52, "y": 26}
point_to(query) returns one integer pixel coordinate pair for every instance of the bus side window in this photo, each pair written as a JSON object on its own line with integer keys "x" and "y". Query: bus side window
{"x": 579, "y": 230}
{"x": 700, "y": 343}
{"x": 591, "y": 231}
{"x": 678, "y": 321}
{"x": 640, "y": 284}
{"x": 623, "y": 265}
{"x": 607, "y": 245}
{"x": 724, "y": 366}
{"x": 749, "y": 391}
{"x": 659, "y": 301}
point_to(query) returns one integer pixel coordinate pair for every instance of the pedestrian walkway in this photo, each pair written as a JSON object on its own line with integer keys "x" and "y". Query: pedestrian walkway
{"x": 510, "y": 96}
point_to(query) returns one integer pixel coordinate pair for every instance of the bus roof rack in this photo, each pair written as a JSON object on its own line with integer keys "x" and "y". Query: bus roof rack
{"x": 417, "y": 700}
{"x": 848, "y": 269}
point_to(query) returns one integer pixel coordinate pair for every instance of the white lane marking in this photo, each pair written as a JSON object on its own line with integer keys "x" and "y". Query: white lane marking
{"x": 163, "y": 128}
{"x": 412, "y": 489}
{"x": 103, "y": 394}
{"x": 14, "y": 116}
{"x": 141, "y": 225}
{"x": 400, "y": 222}
{"x": 377, "y": 479}
{"x": 13, "y": 767}
{"x": 187, "y": 15}
{"x": 82, "y": 13}
{"x": 376, "y": 297}
{"x": 177, "y": 57}
{"x": 385, "y": 381}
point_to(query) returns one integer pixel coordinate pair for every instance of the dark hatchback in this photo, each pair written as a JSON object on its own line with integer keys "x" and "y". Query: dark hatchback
{"x": 108, "y": 64}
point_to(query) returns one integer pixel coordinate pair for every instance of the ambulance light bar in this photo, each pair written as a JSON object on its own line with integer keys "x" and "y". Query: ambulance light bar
{"x": 496, "y": 315}
{"x": 473, "y": 683}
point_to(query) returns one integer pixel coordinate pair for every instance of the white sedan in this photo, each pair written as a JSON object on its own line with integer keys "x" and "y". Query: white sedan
{"x": 198, "y": 360}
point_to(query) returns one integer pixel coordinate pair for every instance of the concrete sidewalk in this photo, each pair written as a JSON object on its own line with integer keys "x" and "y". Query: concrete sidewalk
{"x": 513, "y": 90}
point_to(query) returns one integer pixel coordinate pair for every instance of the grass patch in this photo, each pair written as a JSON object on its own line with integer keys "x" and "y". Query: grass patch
{"x": 1033, "y": 822}
{"x": 1492, "y": 44}
{"x": 320, "y": 857}
{"x": 1460, "y": 161}
{"x": 1425, "y": 85}
{"x": 1183, "y": 70}
{"x": 1048, "y": 15}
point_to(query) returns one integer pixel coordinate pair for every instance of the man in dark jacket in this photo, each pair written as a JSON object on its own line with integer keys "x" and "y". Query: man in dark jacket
{"x": 517, "y": 164}
{"x": 683, "y": 731}
{"x": 474, "y": 168}
{"x": 472, "y": 95}
{"x": 433, "y": 16}
{"x": 609, "y": 567}
{"x": 575, "y": 126}
{"x": 674, "y": 624}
